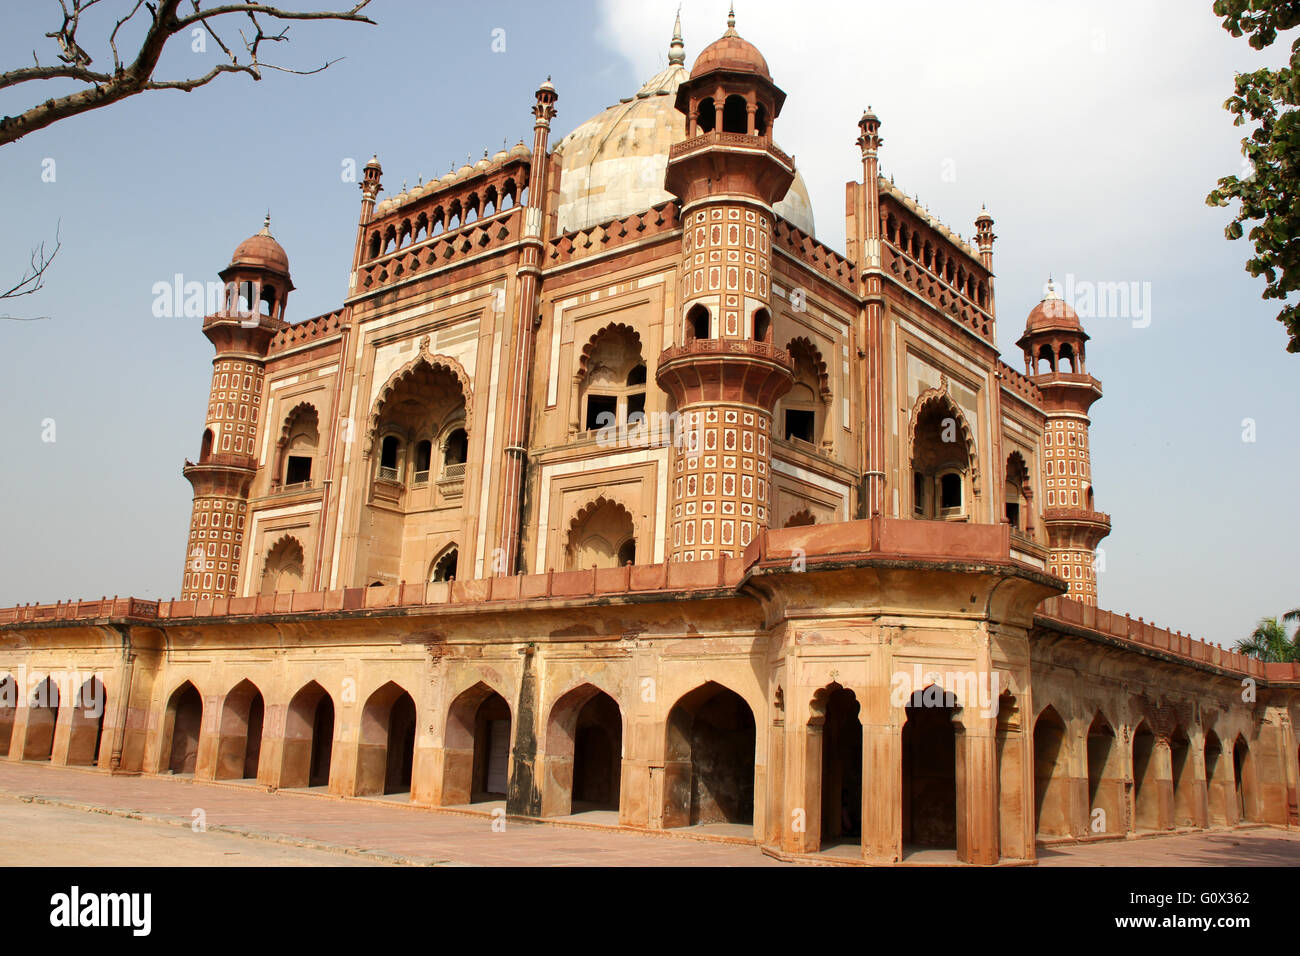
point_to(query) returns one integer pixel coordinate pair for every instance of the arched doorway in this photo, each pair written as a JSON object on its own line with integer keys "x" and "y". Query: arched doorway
{"x": 1146, "y": 798}
{"x": 1244, "y": 781}
{"x": 476, "y": 748}
{"x": 1184, "y": 777}
{"x": 87, "y": 730}
{"x": 584, "y": 753}
{"x": 1051, "y": 776}
{"x": 930, "y": 770}
{"x": 1216, "y": 791}
{"x": 1105, "y": 779}
{"x": 709, "y": 769}
{"x": 308, "y": 739}
{"x": 42, "y": 717}
{"x": 183, "y": 723}
{"x": 841, "y": 766}
{"x": 386, "y": 749}
{"x": 239, "y": 744}
{"x": 8, "y": 711}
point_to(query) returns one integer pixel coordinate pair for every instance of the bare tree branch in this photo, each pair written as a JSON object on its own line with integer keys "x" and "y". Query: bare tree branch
{"x": 33, "y": 279}
{"x": 137, "y": 77}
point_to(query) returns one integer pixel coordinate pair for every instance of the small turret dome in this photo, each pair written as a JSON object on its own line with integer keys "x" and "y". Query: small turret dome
{"x": 1053, "y": 314}
{"x": 731, "y": 53}
{"x": 262, "y": 252}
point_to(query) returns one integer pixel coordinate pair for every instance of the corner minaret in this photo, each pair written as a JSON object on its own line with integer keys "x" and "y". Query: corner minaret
{"x": 1055, "y": 340}
{"x": 257, "y": 285}
{"x": 529, "y": 275}
{"x": 724, "y": 374}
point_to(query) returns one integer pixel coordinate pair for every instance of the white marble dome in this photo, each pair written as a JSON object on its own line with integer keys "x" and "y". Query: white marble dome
{"x": 613, "y": 165}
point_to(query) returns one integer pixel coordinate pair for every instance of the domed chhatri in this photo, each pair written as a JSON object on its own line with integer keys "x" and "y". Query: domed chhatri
{"x": 730, "y": 53}
{"x": 1053, "y": 313}
{"x": 613, "y": 165}
{"x": 261, "y": 251}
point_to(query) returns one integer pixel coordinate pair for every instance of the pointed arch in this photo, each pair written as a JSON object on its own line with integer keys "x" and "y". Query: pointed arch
{"x": 476, "y": 746}
{"x": 433, "y": 363}
{"x": 285, "y": 566}
{"x": 600, "y": 531}
{"x": 939, "y": 402}
{"x": 583, "y": 752}
{"x": 630, "y": 335}
{"x": 443, "y": 567}
{"x": 804, "y": 346}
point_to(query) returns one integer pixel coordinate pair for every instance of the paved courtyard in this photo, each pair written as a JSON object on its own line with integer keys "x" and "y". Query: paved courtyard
{"x": 67, "y": 817}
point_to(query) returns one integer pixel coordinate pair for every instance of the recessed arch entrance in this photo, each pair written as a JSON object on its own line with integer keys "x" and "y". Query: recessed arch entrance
{"x": 1051, "y": 776}
{"x": 239, "y": 741}
{"x": 1243, "y": 775}
{"x": 181, "y": 729}
{"x": 308, "y": 739}
{"x": 929, "y": 778}
{"x": 1146, "y": 797}
{"x": 584, "y": 753}
{"x": 709, "y": 764}
{"x": 476, "y": 747}
{"x": 1216, "y": 784}
{"x": 386, "y": 745}
{"x": 86, "y": 735}
{"x": 1184, "y": 779}
{"x": 42, "y": 717}
{"x": 836, "y": 711}
{"x": 1105, "y": 779}
{"x": 8, "y": 711}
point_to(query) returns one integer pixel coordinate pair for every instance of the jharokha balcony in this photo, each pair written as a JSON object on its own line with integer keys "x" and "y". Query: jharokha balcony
{"x": 717, "y": 138}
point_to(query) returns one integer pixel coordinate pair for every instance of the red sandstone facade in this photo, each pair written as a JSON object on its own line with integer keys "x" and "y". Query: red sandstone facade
{"x": 608, "y": 485}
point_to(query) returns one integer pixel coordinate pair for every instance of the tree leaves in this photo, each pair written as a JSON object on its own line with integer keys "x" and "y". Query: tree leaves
{"x": 1267, "y": 193}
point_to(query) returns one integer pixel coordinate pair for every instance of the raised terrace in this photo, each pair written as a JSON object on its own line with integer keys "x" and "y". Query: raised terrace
{"x": 957, "y": 546}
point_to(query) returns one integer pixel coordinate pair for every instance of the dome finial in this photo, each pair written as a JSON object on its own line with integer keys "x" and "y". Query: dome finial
{"x": 266, "y": 224}
{"x": 677, "y": 49}
{"x": 1051, "y": 289}
{"x": 731, "y": 21}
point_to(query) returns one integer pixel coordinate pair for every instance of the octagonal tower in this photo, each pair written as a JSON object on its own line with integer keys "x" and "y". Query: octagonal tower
{"x": 725, "y": 375}
{"x": 1055, "y": 340}
{"x": 257, "y": 285}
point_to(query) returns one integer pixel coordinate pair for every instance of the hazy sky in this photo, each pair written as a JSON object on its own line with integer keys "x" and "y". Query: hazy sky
{"x": 1092, "y": 132}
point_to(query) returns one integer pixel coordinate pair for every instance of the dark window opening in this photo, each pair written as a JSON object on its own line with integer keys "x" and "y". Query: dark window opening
{"x": 760, "y": 120}
{"x": 950, "y": 491}
{"x": 206, "y": 450}
{"x": 1013, "y": 514}
{"x": 388, "y": 458}
{"x": 762, "y": 325}
{"x": 627, "y": 553}
{"x": 636, "y": 376}
{"x": 635, "y": 408}
{"x": 708, "y": 116}
{"x": 918, "y": 493}
{"x": 735, "y": 115}
{"x": 457, "y": 451}
{"x": 697, "y": 323}
{"x": 445, "y": 569}
{"x": 298, "y": 472}
{"x": 602, "y": 411}
{"x": 423, "y": 457}
{"x": 799, "y": 424}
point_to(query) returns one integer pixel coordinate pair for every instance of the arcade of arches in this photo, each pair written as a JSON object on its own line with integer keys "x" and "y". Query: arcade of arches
{"x": 801, "y": 737}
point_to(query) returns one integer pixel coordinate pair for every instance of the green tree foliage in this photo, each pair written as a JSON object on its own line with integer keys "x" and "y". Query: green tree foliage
{"x": 1267, "y": 196}
{"x": 1269, "y": 642}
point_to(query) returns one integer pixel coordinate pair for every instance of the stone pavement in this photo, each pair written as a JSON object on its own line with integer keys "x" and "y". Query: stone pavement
{"x": 138, "y": 821}
{"x": 381, "y": 829}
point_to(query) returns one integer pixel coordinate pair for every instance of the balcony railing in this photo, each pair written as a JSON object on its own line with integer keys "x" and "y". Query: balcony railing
{"x": 454, "y": 472}
{"x": 387, "y": 474}
{"x": 728, "y": 346}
